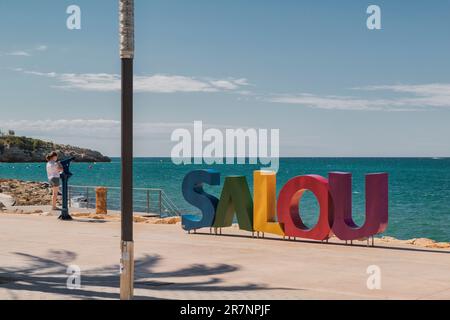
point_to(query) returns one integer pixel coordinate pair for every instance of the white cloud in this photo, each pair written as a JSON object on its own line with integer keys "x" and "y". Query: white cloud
{"x": 62, "y": 127}
{"x": 424, "y": 95}
{"x": 399, "y": 98}
{"x": 28, "y": 52}
{"x": 98, "y": 128}
{"x": 41, "y": 48}
{"x": 19, "y": 53}
{"x": 87, "y": 82}
{"x": 424, "y": 89}
{"x": 395, "y": 97}
{"x": 328, "y": 102}
{"x": 158, "y": 83}
{"x": 229, "y": 84}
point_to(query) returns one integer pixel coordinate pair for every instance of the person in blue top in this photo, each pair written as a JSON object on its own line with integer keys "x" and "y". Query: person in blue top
{"x": 54, "y": 169}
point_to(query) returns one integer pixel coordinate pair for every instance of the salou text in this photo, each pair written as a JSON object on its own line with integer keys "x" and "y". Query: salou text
{"x": 262, "y": 212}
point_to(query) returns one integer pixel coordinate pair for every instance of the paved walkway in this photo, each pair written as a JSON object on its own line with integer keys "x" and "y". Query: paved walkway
{"x": 35, "y": 252}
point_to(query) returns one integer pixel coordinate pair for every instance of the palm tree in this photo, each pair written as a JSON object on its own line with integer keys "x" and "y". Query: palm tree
{"x": 127, "y": 56}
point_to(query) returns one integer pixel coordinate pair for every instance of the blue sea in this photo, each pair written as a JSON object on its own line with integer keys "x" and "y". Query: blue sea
{"x": 419, "y": 187}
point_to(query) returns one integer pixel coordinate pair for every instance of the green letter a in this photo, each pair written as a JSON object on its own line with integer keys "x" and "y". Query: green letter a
{"x": 235, "y": 198}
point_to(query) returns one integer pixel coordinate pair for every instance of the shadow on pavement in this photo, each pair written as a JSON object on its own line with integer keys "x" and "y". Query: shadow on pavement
{"x": 48, "y": 275}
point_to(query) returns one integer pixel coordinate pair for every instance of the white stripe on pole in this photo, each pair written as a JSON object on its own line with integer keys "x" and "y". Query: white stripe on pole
{"x": 126, "y": 32}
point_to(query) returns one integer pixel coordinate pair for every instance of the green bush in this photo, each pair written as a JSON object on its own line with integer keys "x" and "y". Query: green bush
{"x": 23, "y": 143}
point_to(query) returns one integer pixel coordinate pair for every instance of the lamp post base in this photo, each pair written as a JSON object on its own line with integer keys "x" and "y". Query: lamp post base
{"x": 127, "y": 270}
{"x": 65, "y": 216}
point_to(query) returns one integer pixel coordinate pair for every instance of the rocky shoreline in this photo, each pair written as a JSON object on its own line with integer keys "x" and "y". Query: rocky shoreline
{"x": 26, "y": 193}
{"x": 29, "y": 194}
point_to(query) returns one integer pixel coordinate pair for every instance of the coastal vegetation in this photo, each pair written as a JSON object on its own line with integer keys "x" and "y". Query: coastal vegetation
{"x": 25, "y": 149}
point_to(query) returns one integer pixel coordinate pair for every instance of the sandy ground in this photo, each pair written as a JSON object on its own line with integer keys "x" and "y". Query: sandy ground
{"x": 35, "y": 252}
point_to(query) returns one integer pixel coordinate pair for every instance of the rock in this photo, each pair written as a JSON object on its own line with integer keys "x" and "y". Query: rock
{"x": 173, "y": 220}
{"x": 7, "y": 200}
{"x": 139, "y": 219}
{"x": 388, "y": 239}
{"x": 441, "y": 245}
{"x": 89, "y": 215}
{"x": 428, "y": 243}
{"x": 78, "y": 214}
{"x": 419, "y": 242}
{"x": 97, "y": 217}
{"x": 23, "y": 193}
{"x": 422, "y": 242}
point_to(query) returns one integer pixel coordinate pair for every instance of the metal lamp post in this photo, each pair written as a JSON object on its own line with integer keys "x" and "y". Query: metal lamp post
{"x": 127, "y": 56}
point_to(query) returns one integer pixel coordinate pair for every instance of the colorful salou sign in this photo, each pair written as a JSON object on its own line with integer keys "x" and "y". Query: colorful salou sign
{"x": 264, "y": 213}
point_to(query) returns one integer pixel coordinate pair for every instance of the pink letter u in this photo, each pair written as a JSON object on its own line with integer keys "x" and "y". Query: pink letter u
{"x": 377, "y": 206}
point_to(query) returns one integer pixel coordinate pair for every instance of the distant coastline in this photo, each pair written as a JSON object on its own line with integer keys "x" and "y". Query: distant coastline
{"x": 14, "y": 149}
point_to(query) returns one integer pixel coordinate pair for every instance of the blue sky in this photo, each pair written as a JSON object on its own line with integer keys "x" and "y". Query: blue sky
{"x": 309, "y": 68}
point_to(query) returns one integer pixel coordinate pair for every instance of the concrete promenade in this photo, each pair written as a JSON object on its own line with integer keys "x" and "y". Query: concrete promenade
{"x": 35, "y": 252}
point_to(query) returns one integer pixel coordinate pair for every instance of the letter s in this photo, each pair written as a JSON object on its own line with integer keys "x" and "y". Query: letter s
{"x": 194, "y": 194}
